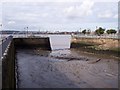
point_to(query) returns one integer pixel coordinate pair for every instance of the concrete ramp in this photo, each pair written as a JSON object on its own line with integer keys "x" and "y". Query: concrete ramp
{"x": 60, "y": 41}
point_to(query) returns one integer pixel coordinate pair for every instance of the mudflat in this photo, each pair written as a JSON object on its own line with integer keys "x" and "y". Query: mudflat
{"x": 65, "y": 69}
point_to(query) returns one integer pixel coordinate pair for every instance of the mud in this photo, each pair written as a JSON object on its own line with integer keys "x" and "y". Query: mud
{"x": 65, "y": 69}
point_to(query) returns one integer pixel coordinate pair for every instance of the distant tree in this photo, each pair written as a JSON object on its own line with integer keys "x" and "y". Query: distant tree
{"x": 100, "y": 31}
{"x": 108, "y": 31}
{"x": 111, "y": 31}
{"x": 84, "y": 31}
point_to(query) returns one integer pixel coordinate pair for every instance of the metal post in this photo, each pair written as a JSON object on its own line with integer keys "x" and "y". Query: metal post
{"x": 80, "y": 31}
{"x": 1, "y": 30}
{"x": 27, "y": 31}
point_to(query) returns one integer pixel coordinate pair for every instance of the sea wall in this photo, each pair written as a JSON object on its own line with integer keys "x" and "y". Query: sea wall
{"x": 8, "y": 67}
{"x": 8, "y": 62}
{"x": 42, "y": 42}
{"x": 9, "y": 59}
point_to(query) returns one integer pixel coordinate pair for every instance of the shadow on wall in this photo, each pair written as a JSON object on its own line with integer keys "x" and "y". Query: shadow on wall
{"x": 43, "y": 43}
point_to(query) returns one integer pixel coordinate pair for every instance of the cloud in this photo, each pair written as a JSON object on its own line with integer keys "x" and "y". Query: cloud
{"x": 105, "y": 14}
{"x": 115, "y": 16}
{"x": 41, "y": 14}
{"x": 57, "y": 0}
{"x": 83, "y": 10}
{"x": 44, "y": 15}
{"x": 27, "y": 17}
{"x": 0, "y": 13}
{"x": 11, "y": 22}
{"x": 22, "y": 16}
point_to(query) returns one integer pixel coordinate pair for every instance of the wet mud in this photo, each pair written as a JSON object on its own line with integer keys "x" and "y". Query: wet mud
{"x": 64, "y": 69}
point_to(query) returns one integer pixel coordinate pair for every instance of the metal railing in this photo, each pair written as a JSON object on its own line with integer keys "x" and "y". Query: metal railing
{"x": 114, "y": 36}
{"x": 29, "y": 35}
{"x": 96, "y": 36}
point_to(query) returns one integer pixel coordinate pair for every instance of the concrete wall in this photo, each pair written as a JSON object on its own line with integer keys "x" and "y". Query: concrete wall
{"x": 8, "y": 67}
{"x": 8, "y": 62}
{"x": 32, "y": 43}
{"x": 103, "y": 42}
{"x": 60, "y": 41}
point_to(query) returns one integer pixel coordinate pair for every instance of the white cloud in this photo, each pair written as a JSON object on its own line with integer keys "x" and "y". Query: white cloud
{"x": 115, "y": 16}
{"x": 11, "y": 22}
{"x": 84, "y": 9}
{"x": 57, "y": 0}
{"x": 24, "y": 16}
{"x": 34, "y": 14}
{"x": 0, "y": 14}
{"x": 44, "y": 14}
{"x": 105, "y": 14}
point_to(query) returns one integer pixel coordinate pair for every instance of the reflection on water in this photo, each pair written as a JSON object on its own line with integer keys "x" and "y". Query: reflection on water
{"x": 60, "y": 41}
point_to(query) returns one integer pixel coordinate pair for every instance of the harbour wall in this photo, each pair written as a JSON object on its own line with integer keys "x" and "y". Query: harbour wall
{"x": 8, "y": 67}
{"x": 9, "y": 59}
{"x": 8, "y": 62}
{"x": 43, "y": 43}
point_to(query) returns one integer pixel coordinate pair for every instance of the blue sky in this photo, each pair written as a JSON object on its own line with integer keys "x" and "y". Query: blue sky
{"x": 59, "y": 16}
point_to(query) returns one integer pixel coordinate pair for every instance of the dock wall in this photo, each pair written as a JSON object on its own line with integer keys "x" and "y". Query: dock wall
{"x": 8, "y": 62}
{"x": 9, "y": 59}
{"x": 8, "y": 67}
{"x": 32, "y": 43}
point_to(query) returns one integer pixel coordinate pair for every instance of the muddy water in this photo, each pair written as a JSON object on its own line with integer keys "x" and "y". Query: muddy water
{"x": 65, "y": 69}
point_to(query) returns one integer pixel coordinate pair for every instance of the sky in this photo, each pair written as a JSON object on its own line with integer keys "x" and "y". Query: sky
{"x": 59, "y": 15}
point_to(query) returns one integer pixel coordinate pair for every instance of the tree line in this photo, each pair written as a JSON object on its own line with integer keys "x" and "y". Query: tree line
{"x": 100, "y": 31}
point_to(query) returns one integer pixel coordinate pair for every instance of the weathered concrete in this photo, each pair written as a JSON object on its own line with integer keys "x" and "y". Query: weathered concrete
{"x": 4, "y": 44}
{"x": 58, "y": 42}
{"x": 8, "y": 67}
{"x": 33, "y": 43}
{"x": 8, "y": 62}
